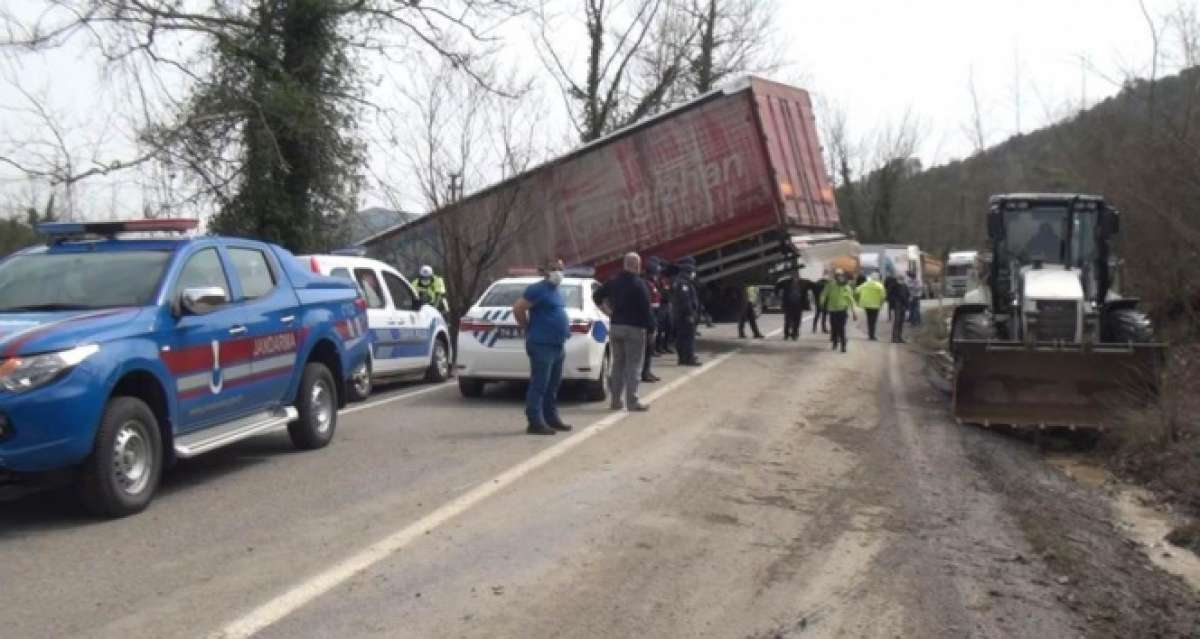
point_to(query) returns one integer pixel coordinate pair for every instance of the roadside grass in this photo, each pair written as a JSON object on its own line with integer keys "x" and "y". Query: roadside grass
{"x": 1158, "y": 442}
{"x": 933, "y": 334}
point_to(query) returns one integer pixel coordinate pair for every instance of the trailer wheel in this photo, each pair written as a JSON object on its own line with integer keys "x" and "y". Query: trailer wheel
{"x": 1127, "y": 325}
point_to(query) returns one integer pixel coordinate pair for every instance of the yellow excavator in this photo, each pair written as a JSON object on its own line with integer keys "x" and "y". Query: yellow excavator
{"x": 1047, "y": 340}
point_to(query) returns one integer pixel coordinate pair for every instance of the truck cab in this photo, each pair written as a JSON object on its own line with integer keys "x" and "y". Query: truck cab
{"x": 119, "y": 356}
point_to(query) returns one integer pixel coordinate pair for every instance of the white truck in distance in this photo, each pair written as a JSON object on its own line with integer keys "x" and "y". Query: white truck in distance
{"x": 960, "y": 275}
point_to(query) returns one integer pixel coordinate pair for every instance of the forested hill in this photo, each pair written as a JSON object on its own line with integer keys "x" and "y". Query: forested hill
{"x": 1140, "y": 149}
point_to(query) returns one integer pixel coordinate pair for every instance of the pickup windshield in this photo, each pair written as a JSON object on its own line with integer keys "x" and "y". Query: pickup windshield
{"x": 80, "y": 281}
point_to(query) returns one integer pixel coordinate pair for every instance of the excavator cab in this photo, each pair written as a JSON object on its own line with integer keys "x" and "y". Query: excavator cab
{"x": 1049, "y": 341}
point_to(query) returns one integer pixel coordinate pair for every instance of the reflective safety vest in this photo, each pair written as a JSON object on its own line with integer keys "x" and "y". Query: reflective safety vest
{"x": 752, "y": 294}
{"x": 434, "y": 290}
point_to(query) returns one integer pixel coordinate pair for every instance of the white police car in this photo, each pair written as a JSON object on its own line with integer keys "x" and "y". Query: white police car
{"x": 491, "y": 347}
{"x": 410, "y": 338}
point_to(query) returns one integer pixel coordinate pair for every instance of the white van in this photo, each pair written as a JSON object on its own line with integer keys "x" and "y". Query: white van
{"x": 410, "y": 338}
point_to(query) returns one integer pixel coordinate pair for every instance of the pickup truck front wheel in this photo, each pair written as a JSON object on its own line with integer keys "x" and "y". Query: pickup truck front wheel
{"x": 317, "y": 402}
{"x": 122, "y": 473}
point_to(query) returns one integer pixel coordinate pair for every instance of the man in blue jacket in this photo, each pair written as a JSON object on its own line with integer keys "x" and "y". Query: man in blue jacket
{"x": 542, "y": 312}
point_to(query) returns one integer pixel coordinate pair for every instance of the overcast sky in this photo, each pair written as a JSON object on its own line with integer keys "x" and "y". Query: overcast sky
{"x": 874, "y": 59}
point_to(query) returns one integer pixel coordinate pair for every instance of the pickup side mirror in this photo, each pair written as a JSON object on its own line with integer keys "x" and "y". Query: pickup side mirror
{"x": 202, "y": 299}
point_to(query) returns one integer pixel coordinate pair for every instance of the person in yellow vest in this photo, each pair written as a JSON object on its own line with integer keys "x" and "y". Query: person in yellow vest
{"x": 431, "y": 288}
{"x": 750, "y": 292}
{"x": 838, "y": 297}
{"x": 870, "y": 296}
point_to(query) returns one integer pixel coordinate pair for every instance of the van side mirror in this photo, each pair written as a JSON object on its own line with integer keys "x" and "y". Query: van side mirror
{"x": 202, "y": 299}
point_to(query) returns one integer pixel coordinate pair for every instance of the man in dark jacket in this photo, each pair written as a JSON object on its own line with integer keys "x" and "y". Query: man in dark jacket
{"x": 898, "y": 298}
{"x": 685, "y": 311}
{"x": 793, "y": 295}
{"x": 819, "y": 314}
{"x": 626, "y": 300}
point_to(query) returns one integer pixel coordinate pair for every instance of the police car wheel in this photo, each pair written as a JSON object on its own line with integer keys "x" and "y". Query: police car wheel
{"x": 122, "y": 473}
{"x": 439, "y": 362}
{"x": 597, "y": 389}
{"x": 316, "y": 401}
{"x": 359, "y": 388}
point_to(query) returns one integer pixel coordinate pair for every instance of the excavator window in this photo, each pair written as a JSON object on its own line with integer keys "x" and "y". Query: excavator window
{"x": 1036, "y": 235}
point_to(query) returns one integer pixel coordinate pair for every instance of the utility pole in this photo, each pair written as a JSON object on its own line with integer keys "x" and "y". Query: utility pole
{"x": 455, "y": 187}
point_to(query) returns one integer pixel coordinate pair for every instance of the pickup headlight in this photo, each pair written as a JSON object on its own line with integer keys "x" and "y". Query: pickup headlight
{"x": 20, "y": 374}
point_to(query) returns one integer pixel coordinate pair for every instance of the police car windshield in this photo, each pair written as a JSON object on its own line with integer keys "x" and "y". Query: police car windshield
{"x": 74, "y": 281}
{"x": 507, "y": 293}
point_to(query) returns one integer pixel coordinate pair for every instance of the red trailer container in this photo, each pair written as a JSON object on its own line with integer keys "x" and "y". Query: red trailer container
{"x": 729, "y": 178}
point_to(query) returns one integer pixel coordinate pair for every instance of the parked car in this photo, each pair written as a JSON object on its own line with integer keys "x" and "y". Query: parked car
{"x": 491, "y": 346}
{"x": 119, "y": 356}
{"x": 410, "y": 336}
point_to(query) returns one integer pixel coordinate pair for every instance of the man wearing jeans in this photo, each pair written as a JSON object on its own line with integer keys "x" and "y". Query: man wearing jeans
{"x": 626, "y": 300}
{"x": 543, "y": 314}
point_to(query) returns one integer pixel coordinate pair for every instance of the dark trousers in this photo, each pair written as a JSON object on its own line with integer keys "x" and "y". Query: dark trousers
{"x": 898, "y": 324}
{"x": 545, "y": 377}
{"x": 665, "y": 332}
{"x": 685, "y": 339}
{"x": 872, "y": 321}
{"x": 793, "y": 316}
{"x": 651, "y": 334}
{"x": 748, "y": 316}
{"x": 837, "y": 326}
{"x": 819, "y": 316}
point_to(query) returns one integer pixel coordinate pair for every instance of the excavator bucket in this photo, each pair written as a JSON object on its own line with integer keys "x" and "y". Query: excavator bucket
{"x": 1051, "y": 384}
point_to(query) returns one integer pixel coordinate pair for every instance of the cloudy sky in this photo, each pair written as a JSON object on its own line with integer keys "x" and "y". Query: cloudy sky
{"x": 1032, "y": 62}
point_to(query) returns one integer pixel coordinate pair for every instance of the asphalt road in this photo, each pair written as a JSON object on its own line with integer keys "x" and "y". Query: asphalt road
{"x": 782, "y": 489}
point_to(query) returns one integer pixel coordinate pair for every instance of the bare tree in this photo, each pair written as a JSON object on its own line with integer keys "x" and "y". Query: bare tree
{"x": 467, "y": 137}
{"x": 633, "y": 61}
{"x": 201, "y": 70}
{"x": 975, "y": 128}
{"x": 735, "y": 36}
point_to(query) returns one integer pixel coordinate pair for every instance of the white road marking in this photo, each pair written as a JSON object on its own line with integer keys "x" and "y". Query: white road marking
{"x": 306, "y": 591}
{"x": 393, "y": 398}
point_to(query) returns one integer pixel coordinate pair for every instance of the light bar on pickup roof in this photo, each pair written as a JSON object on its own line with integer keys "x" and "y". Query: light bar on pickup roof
{"x": 111, "y": 229}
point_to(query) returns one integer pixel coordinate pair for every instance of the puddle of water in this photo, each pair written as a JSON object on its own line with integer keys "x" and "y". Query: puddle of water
{"x": 1137, "y": 521}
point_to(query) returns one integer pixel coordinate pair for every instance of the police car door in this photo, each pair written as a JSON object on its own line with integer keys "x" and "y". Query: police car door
{"x": 272, "y": 320}
{"x": 379, "y": 315}
{"x": 410, "y": 342}
{"x": 204, "y": 354}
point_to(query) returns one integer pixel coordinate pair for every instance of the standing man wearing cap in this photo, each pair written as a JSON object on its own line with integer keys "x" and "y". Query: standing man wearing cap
{"x": 626, "y": 300}
{"x": 685, "y": 311}
{"x": 541, "y": 312}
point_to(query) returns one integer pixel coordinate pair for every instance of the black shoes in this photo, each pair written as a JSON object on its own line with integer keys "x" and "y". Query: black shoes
{"x": 539, "y": 429}
{"x": 638, "y": 408}
{"x": 694, "y": 362}
{"x": 560, "y": 426}
{"x": 650, "y": 379}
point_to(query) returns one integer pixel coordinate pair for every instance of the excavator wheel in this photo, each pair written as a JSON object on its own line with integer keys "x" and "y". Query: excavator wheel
{"x": 1127, "y": 325}
{"x": 974, "y": 325}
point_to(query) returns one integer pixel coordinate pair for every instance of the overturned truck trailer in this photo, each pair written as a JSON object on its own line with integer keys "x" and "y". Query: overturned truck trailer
{"x": 734, "y": 178}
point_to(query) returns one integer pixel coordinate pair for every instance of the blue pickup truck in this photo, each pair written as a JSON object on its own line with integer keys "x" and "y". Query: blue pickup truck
{"x": 119, "y": 355}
